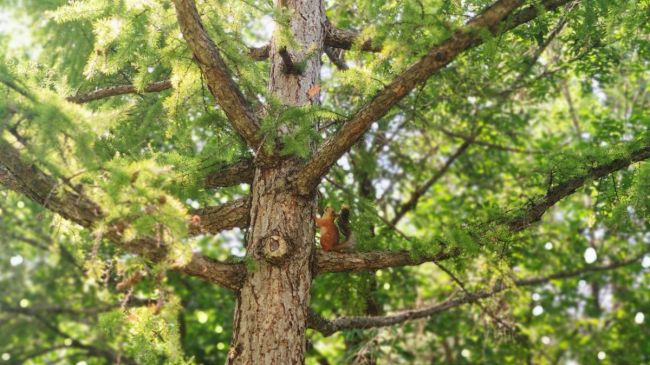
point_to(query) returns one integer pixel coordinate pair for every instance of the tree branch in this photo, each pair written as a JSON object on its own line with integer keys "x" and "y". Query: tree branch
{"x": 108, "y": 354}
{"x": 411, "y": 203}
{"x": 241, "y": 172}
{"x": 345, "y": 39}
{"x": 479, "y": 142}
{"x": 214, "y": 219}
{"x": 374, "y": 260}
{"x": 336, "y": 57}
{"x": 217, "y": 74}
{"x": 118, "y": 90}
{"x": 494, "y": 19}
{"x": 362, "y": 261}
{"x": 534, "y": 212}
{"x": 75, "y": 206}
{"x": 328, "y": 327}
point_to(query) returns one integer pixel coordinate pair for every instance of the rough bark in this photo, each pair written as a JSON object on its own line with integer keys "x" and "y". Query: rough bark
{"x": 272, "y": 306}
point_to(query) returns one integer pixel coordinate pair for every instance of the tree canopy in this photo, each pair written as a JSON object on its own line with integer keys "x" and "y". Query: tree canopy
{"x": 492, "y": 153}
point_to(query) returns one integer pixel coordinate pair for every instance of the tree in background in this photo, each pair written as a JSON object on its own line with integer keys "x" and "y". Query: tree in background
{"x": 162, "y": 164}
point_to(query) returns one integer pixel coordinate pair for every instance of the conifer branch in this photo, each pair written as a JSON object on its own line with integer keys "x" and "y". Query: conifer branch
{"x": 412, "y": 202}
{"x": 373, "y": 260}
{"x": 345, "y": 39}
{"x": 216, "y": 73}
{"x": 534, "y": 212}
{"x": 335, "y": 38}
{"x": 109, "y": 91}
{"x": 362, "y": 261}
{"x": 240, "y": 172}
{"x": 74, "y": 205}
{"x": 328, "y": 327}
{"x": 496, "y": 19}
{"x": 229, "y": 215}
{"x": 108, "y": 354}
{"x": 336, "y": 57}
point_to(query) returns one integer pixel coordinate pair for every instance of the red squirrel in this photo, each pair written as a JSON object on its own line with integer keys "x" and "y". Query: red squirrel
{"x": 329, "y": 230}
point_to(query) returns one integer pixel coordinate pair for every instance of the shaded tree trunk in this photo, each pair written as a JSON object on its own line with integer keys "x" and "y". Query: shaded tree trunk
{"x": 272, "y": 306}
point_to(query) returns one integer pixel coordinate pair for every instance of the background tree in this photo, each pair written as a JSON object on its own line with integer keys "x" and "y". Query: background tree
{"x": 162, "y": 162}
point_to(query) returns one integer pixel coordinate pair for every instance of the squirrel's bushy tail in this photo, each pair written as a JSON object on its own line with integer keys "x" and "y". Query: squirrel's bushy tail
{"x": 345, "y": 229}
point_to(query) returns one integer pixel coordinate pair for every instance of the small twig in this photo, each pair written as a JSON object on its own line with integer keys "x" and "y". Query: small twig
{"x": 336, "y": 56}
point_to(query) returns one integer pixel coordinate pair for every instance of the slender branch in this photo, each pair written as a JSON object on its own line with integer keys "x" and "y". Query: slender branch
{"x": 108, "y": 354}
{"x": 328, "y": 327}
{"x": 216, "y": 72}
{"x": 487, "y": 311}
{"x": 572, "y": 111}
{"x": 336, "y": 57}
{"x": 411, "y": 203}
{"x": 214, "y": 219}
{"x": 118, "y": 90}
{"x": 534, "y": 212}
{"x": 241, "y": 172}
{"x": 22, "y": 358}
{"x": 75, "y": 206}
{"x": 479, "y": 142}
{"x": 496, "y": 19}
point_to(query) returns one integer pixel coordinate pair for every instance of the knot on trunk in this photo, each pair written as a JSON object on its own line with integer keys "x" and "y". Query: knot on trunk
{"x": 275, "y": 249}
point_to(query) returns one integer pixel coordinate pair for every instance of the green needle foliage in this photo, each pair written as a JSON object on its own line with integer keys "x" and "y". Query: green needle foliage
{"x": 540, "y": 106}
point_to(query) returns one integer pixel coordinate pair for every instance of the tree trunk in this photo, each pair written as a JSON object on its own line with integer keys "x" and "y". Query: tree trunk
{"x": 272, "y": 306}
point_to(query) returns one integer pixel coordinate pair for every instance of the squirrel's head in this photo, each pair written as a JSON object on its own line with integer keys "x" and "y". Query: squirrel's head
{"x": 329, "y": 212}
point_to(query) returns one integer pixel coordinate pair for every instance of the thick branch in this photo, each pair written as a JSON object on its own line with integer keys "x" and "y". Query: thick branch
{"x": 118, "y": 90}
{"x": 216, "y": 72}
{"x": 345, "y": 39}
{"x": 240, "y": 172}
{"x": 374, "y": 260}
{"x": 233, "y": 214}
{"x": 75, "y": 206}
{"x": 494, "y": 19}
{"x": 328, "y": 327}
{"x": 534, "y": 212}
